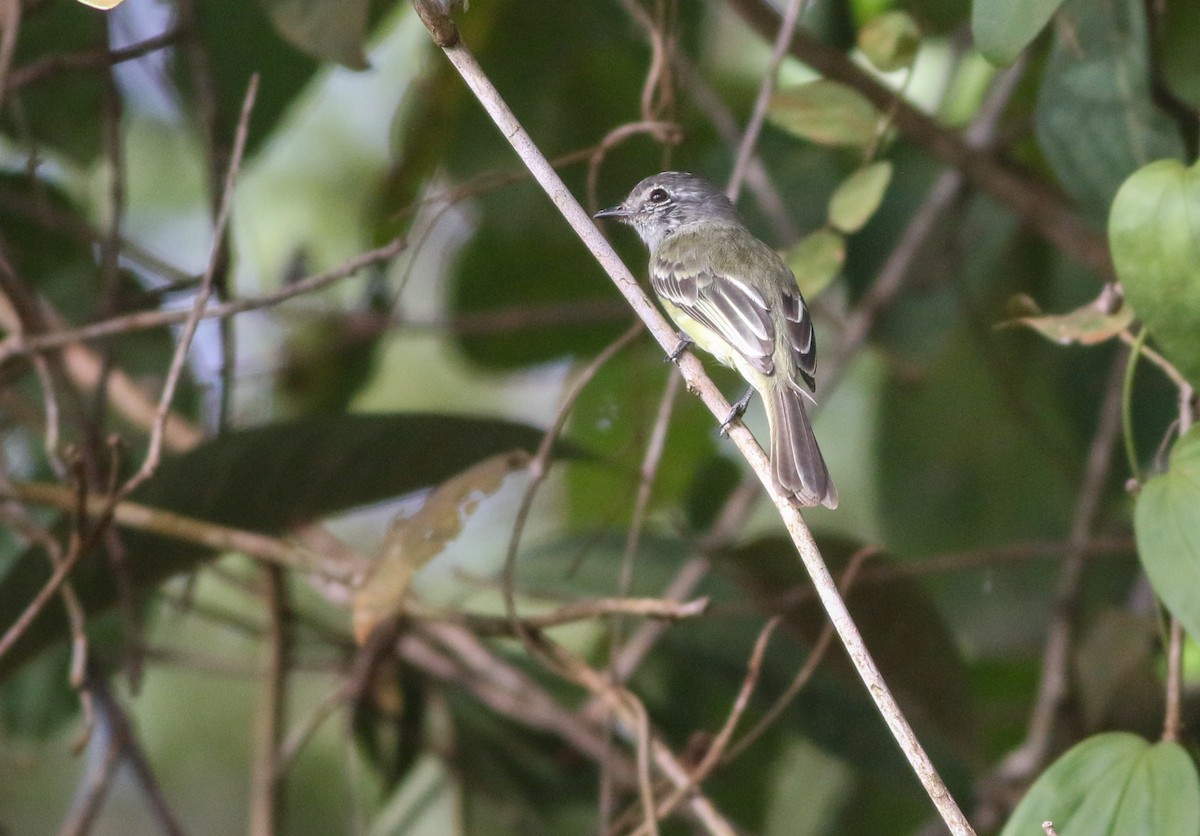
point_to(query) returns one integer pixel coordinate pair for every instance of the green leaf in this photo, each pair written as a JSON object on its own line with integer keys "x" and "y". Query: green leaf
{"x": 63, "y": 109}
{"x": 1003, "y": 28}
{"x": 1167, "y": 526}
{"x": 1177, "y": 50}
{"x": 1113, "y": 783}
{"x": 817, "y": 259}
{"x": 825, "y": 112}
{"x": 890, "y": 41}
{"x": 269, "y": 479}
{"x": 1095, "y": 118}
{"x": 248, "y": 43}
{"x": 859, "y": 196}
{"x": 331, "y": 30}
{"x": 1154, "y": 234}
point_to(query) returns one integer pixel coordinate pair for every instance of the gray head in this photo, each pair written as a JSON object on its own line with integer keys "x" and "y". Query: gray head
{"x": 663, "y": 203}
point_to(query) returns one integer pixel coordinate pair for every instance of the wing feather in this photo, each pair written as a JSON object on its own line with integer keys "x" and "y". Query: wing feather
{"x": 726, "y": 305}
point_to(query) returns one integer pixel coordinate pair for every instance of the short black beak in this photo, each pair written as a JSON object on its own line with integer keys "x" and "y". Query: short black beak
{"x": 615, "y": 212}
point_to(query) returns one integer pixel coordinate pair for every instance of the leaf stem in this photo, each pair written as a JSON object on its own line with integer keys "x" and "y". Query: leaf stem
{"x": 1135, "y": 352}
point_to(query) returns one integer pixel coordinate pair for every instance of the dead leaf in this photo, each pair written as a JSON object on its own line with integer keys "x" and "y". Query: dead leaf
{"x": 415, "y": 540}
{"x": 1099, "y": 320}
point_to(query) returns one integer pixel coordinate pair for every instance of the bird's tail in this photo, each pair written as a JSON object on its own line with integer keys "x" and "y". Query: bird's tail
{"x": 796, "y": 460}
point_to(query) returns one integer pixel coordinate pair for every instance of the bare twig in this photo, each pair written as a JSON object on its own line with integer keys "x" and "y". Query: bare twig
{"x": 629, "y": 711}
{"x": 84, "y": 61}
{"x": 144, "y": 320}
{"x": 10, "y": 23}
{"x": 211, "y": 535}
{"x": 663, "y": 609}
{"x": 667, "y": 130}
{"x": 649, "y": 469}
{"x": 1173, "y": 714}
{"x": 539, "y": 468}
{"x": 266, "y": 783}
{"x": 175, "y": 370}
{"x": 783, "y": 39}
{"x": 716, "y": 749}
{"x": 815, "y": 656}
{"x": 116, "y": 745}
{"x": 699, "y": 382}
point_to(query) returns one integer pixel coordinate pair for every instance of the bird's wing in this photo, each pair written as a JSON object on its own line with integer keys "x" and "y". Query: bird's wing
{"x": 724, "y": 303}
{"x": 798, "y": 330}
{"x": 718, "y": 296}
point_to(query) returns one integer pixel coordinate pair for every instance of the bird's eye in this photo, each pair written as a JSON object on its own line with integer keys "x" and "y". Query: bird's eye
{"x": 658, "y": 196}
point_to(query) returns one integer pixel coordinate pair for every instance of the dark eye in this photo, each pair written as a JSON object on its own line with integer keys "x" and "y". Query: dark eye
{"x": 658, "y": 196}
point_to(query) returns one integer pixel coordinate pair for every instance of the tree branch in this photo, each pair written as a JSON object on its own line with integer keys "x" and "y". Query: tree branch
{"x": 464, "y": 62}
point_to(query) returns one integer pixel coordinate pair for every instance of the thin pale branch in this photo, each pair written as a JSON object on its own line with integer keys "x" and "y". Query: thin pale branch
{"x": 84, "y": 61}
{"x": 211, "y": 535}
{"x": 144, "y": 320}
{"x": 745, "y": 152}
{"x": 716, "y": 749}
{"x": 266, "y": 782}
{"x": 663, "y": 609}
{"x": 175, "y": 370}
{"x": 446, "y": 36}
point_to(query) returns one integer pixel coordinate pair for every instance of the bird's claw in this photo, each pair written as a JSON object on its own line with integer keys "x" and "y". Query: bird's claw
{"x": 685, "y": 342}
{"x": 736, "y": 412}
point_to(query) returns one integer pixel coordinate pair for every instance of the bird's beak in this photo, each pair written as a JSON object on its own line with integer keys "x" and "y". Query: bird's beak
{"x": 618, "y": 211}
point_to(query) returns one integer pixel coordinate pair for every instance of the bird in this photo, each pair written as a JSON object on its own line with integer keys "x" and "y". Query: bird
{"x": 733, "y": 296}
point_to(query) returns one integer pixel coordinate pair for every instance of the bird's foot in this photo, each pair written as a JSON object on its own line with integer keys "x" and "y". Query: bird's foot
{"x": 685, "y": 342}
{"x": 736, "y": 411}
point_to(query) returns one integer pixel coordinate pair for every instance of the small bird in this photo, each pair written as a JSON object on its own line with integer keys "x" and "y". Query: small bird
{"x": 733, "y": 296}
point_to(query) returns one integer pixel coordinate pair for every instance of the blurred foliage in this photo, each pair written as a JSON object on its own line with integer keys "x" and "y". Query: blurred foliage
{"x": 399, "y": 397}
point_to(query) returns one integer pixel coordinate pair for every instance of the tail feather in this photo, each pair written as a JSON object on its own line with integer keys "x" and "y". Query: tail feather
{"x": 796, "y": 460}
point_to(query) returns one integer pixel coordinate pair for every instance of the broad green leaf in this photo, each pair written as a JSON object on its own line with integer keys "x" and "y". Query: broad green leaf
{"x": 1154, "y": 234}
{"x": 1090, "y": 324}
{"x": 1003, "y": 28}
{"x": 859, "y": 196}
{"x": 61, "y": 110}
{"x": 1095, "y": 118}
{"x": 817, "y": 259}
{"x": 1167, "y": 525}
{"x": 890, "y": 41}
{"x": 269, "y": 479}
{"x": 825, "y": 112}
{"x": 249, "y": 43}
{"x": 1114, "y": 783}
{"x": 415, "y": 540}
{"x": 331, "y": 30}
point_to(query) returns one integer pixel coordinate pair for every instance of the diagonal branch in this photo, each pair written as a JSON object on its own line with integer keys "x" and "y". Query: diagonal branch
{"x": 446, "y": 35}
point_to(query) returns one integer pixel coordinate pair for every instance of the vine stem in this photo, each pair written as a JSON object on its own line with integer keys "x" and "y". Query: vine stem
{"x": 446, "y": 36}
